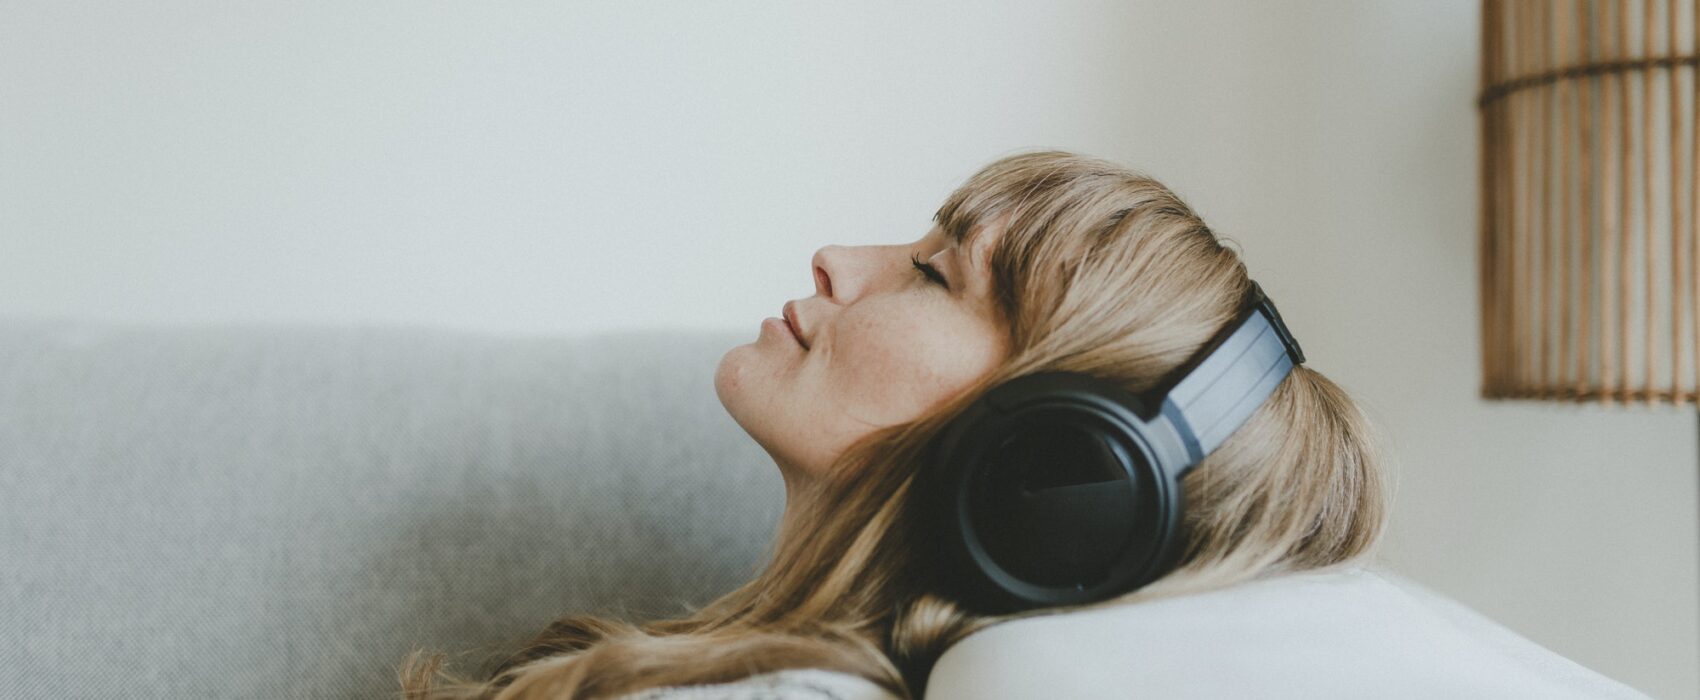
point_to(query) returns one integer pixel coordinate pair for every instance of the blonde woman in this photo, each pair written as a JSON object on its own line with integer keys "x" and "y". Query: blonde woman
{"x": 1041, "y": 262}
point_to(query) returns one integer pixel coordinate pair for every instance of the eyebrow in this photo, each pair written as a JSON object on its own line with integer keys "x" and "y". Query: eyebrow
{"x": 962, "y": 262}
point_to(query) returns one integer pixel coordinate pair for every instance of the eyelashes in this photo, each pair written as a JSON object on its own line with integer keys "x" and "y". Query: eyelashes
{"x": 931, "y": 272}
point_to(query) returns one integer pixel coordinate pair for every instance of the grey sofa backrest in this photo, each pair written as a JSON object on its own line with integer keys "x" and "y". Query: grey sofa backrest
{"x": 277, "y": 510}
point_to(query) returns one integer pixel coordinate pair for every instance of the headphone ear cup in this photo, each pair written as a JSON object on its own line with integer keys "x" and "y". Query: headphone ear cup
{"x": 1046, "y": 492}
{"x": 1051, "y": 505}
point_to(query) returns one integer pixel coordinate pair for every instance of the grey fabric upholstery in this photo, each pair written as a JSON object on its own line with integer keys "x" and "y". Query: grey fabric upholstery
{"x": 284, "y": 510}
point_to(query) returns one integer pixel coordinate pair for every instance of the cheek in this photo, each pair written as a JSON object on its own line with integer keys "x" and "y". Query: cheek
{"x": 888, "y": 368}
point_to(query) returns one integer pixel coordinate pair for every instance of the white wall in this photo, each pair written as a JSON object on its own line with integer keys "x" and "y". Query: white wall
{"x": 555, "y": 167}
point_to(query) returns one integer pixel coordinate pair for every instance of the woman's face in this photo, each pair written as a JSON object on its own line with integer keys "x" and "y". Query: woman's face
{"x": 880, "y": 344}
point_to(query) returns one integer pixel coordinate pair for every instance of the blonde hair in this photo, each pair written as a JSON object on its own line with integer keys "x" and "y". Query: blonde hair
{"x": 1098, "y": 269}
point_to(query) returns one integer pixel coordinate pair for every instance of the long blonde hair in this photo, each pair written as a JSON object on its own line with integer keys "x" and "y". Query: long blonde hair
{"x": 1098, "y": 269}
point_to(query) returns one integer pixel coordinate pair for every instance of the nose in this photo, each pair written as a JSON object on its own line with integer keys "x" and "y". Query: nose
{"x": 825, "y": 264}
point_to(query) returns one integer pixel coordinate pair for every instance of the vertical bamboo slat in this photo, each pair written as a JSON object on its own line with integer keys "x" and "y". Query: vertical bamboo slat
{"x": 1566, "y": 114}
{"x": 1646, "y": 189}
{"x": 1574, "y": 255}
{"x": 1524, "y": 235}
{"x": 1621, "y": 387}
{"x": 1586, "y": 233}
{"x": 1508, "y": 65}
{"x": 1503, "y": 247}
{"x": 1607, "y": 223}
{"x": 1503, "y": 184}
{"x": 1549, "y": 101}
{"x": 1676, "y": 287}
{"x": 1484, "y": 209}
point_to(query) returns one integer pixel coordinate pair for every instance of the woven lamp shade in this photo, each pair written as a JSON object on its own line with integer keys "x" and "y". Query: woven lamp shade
{"x": 1588, "y": 234}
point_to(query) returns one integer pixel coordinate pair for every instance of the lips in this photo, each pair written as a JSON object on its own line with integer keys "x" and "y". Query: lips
{"x": 789, "y": 313}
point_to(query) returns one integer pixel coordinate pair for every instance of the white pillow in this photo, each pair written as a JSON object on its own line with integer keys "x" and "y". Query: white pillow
{"x": 1346, "y": 632}
{"x": 790, "y": 684}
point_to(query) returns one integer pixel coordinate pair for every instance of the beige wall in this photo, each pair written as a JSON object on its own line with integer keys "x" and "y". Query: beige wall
{"x": 564, "y": 167}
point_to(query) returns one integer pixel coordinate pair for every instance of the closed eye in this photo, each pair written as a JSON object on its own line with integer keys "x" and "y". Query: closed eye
{"x": 931, "y": 272}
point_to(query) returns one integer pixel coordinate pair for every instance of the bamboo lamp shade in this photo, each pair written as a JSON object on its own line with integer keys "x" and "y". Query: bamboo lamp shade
{"x": 1588, "y": 259}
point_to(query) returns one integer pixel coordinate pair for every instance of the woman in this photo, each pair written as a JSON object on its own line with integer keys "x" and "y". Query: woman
{"x": 1041, "y": 261}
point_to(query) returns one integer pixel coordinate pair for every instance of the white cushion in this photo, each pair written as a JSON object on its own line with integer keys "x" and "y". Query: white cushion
{"x": 789, "y": 683}
{"x": 1345, "y": 632}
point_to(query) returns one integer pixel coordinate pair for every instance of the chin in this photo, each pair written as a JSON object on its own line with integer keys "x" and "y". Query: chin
{"x": 725, "y": 377}
{"x": 732, "y": 379}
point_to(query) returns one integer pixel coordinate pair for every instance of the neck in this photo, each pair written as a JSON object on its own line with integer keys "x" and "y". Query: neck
{"x": 799, "y": 493}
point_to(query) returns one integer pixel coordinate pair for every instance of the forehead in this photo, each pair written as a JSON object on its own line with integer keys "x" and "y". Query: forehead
{"x": 982, "y": 237}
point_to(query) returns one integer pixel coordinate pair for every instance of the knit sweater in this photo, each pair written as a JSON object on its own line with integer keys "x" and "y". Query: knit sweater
{"x": 785, "y": 684}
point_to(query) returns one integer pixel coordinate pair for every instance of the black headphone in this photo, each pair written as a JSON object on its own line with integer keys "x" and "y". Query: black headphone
{"x": 1058, "y": 488}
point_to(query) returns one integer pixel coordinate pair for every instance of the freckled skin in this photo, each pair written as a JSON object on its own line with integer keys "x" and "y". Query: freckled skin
{"x": 885, "y": 344}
